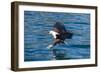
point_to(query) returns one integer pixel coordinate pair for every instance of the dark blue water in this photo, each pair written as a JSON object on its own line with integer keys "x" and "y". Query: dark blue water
{"x": 36, "y": 36}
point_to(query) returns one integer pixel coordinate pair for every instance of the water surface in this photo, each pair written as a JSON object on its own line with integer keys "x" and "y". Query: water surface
{"x": 36, "y": 36}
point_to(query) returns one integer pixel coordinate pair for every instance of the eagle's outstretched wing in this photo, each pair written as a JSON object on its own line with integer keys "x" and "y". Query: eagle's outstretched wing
{"x": 60, "y": 28}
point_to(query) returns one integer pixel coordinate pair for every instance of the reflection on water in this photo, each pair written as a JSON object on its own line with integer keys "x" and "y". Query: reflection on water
{"x": 36, "y": 36}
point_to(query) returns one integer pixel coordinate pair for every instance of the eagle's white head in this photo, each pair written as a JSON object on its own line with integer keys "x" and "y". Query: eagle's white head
{"x": 53, "y": 33}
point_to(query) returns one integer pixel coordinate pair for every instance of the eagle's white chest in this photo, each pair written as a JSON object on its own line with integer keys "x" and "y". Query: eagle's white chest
{"x": 53, "y": 33}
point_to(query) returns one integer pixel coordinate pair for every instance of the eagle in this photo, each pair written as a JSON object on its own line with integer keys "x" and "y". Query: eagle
{"x": 59, "y": 34}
